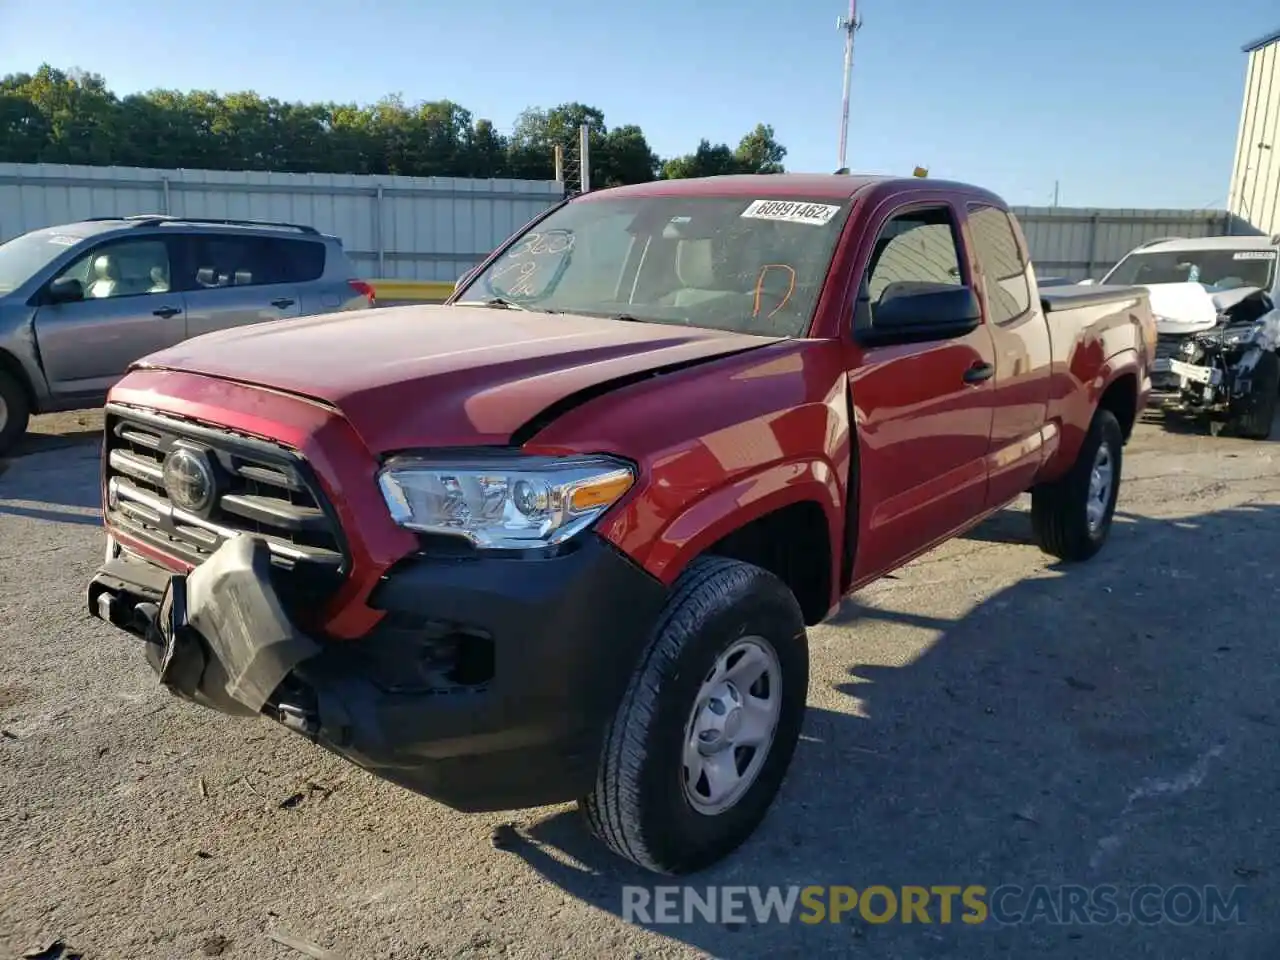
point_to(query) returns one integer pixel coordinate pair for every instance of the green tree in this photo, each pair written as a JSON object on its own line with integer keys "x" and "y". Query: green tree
{"x": 758, "y": 152}
{"x": 71, "y": 116}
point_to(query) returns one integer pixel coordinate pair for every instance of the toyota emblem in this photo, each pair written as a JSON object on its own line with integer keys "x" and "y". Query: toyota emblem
{"x": 188, "y": 479}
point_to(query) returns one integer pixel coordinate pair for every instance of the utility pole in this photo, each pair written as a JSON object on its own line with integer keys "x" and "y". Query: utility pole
{"x": 849, "y": 25}
{"x": 1055, "y": 193}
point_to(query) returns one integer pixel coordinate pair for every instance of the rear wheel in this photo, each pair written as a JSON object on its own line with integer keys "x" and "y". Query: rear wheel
{"x": 703, "y": 737}
{"x": 15, "y": 411}
{"x": 1071, "y": 517}
{"x": 1254, "y": 422}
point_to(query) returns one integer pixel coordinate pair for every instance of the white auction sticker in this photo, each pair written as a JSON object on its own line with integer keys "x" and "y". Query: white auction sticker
{"x": 1255, "y": 255}
{"x": 791, "y": 211}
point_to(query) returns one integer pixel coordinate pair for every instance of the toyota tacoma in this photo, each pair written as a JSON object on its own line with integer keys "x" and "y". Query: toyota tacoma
{"x": 561, "y": 537}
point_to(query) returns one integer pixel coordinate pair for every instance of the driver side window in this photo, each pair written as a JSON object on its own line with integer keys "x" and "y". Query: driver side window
{"x": 125, "y": 269}
{"x": 915, "y": 252}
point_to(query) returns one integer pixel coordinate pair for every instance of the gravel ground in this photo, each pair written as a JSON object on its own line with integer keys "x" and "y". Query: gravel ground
{"x": 981, "y": 717}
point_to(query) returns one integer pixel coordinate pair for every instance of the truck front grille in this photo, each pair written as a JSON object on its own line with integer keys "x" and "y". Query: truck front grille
{"x": 258, "y": 488}
{"x": 1168, "y": 345}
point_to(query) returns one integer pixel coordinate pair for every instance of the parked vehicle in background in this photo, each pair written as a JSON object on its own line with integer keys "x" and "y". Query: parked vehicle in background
{"x": 568, "y": 546}
{"x": 81, "y": 301}
{"x": 1215, "y": 301}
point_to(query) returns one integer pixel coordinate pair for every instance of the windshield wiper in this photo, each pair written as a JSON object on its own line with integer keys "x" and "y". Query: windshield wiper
{"x": 497, "y": 303}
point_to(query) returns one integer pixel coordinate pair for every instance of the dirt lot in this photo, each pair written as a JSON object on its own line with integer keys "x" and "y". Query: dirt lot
{"x": 981, "y": 717}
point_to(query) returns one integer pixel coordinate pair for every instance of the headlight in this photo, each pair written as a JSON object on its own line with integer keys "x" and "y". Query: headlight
{"x": 1241, "y": 335}
{"x": 503, "y": 502}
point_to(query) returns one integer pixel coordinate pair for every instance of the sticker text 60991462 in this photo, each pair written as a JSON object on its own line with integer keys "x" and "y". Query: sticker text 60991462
{"x": 791, "y": 211}
{"x": 1255, "y": 255}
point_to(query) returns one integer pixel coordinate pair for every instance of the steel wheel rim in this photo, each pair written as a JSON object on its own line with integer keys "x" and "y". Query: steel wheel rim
{"x": 732, "y": 725}
{"x": 1101, "y": 478}
{"x": 4, "y": 412}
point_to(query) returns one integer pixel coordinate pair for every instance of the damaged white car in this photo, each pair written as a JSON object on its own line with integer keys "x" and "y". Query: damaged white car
{"x": 1219, "y": 327}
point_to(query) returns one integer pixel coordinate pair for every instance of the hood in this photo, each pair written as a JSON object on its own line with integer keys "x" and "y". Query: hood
{"x": 1182, "y": 308}
{"x": 438, "y": 376}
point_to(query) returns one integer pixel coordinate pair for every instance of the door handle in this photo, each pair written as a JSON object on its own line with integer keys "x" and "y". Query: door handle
{"x": 978, "y": 372}
{"x": 283, "y": 302}
{"x": 167, "y": 312}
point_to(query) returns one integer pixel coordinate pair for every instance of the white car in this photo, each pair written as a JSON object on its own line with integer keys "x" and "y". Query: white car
{"x": 1215, "y": 301}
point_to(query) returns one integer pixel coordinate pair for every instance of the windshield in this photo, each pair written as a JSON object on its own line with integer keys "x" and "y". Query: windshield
{"x": 751, "y": 265}
{"x": 24, "y": 256}
{"x": 1215, "y": 269}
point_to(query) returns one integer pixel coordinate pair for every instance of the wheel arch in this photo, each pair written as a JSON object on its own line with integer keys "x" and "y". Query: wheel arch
{"x": 786, "y": 519}
{"x": 11, "y": 365}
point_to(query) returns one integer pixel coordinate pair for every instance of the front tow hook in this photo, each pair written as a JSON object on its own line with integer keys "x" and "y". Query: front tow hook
{"x": 298, "y": 719}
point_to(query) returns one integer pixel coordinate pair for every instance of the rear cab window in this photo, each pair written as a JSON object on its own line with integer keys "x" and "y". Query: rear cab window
{"x": 1004, "y": 271}
{"x": 747, "y": 264}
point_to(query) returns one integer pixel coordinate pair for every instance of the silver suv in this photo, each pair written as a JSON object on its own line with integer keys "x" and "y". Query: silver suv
{"x": 80, "y": 302}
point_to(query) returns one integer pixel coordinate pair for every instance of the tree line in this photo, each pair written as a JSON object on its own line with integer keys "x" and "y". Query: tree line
{"x": 71, "y": 116}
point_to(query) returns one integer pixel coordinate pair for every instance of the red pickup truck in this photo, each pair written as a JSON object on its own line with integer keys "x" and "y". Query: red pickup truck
{"x": 560, "y": 538}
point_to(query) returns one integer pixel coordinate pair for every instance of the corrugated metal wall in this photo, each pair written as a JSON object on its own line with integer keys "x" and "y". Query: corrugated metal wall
{"x": 1255, "y": 178}
{"x": 434, "y": 228}
{"x": 1081, "y": 244}
{"x": 412, "y": 228}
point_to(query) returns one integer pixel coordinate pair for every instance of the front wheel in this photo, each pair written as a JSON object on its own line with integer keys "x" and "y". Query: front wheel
{"x": 1071, "y": 517}
{"x": 14, "y": 412}
{"x": 705, "y": 733}
{"x": 1254, "y": 421}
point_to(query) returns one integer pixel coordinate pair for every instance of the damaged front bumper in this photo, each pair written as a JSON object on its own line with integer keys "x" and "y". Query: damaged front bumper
{"x": 1214, "y": 384}
{"x": 488, "y": 684}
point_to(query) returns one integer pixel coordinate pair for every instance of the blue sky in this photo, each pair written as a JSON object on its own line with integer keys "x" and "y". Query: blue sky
{"x": 1127, "y": 103}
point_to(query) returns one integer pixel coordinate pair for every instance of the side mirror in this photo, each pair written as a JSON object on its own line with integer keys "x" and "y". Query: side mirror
{"x": 65, "y": 290}
{"x": 465, "y": 278}
{"x": 916, "y": 317}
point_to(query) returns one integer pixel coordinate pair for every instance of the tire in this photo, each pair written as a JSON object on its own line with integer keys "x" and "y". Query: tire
{"x": 1060, "y": 510}
{"x": 1255, "y": 423}
{"x": 15, "y": 412}
{"x": 640, "y": 806}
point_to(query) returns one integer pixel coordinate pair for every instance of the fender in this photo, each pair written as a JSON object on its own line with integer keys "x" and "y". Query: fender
{"x": 1071, "y": 415}
{"x": 20, "y": 356}
{"x": 749, "y": 497}
{"x": 717, "y": 446}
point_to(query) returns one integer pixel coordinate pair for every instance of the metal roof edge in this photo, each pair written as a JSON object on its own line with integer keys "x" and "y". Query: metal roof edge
{"x": 1261, "y": 42}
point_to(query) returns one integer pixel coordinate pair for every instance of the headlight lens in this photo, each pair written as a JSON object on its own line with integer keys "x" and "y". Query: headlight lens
{"x": 503, "y": 502}
{"x": 1241, "y": 335}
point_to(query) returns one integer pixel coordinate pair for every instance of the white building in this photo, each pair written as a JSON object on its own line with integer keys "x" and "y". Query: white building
{"x": 1255, "y": 178}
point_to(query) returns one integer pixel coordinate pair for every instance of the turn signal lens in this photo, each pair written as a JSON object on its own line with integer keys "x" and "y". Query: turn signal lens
{"x": 601, "y": 491}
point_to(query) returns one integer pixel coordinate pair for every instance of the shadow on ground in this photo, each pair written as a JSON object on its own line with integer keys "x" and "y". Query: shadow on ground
{"x": 1161, "y": 412}
{"x": 61, "y": 489}
{"x": 44, "y": 442}
{"x": 1107, "y": 723}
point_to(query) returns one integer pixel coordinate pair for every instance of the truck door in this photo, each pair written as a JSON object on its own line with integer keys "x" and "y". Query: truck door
{"x": 236, "y": 280}
{"x": 1023, "y": 353}
{"x": 924, "y": 410}
{"x": 128, "y": 310}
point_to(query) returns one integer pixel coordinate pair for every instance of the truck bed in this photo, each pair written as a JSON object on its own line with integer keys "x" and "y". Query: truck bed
{"x": 1072, "y": 296}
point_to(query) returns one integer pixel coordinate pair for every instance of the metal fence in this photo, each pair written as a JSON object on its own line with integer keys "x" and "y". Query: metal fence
{"x": 1081, "y": 244}
{"x": 411, "y": 228}
{"x": 434, "y": 228}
